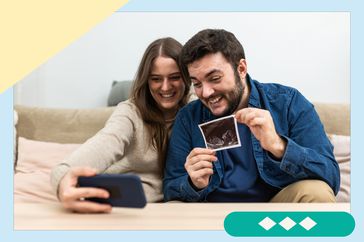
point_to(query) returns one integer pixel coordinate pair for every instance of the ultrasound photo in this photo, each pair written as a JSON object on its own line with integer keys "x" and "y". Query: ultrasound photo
{"x": 221, "y": 133}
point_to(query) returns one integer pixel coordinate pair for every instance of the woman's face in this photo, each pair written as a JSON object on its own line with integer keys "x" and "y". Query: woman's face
{"x": 166, "y": 85}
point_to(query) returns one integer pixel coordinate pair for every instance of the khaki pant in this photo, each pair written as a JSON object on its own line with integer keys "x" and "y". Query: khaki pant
{"x": 305, "y": 191}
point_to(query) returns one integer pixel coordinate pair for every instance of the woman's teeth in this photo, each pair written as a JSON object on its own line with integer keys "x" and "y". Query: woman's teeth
{"x": 167, "y": 95}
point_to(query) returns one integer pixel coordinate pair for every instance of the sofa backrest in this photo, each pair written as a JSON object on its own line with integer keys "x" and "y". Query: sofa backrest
{"x": 77, "y": 125}
{"x": 335, "y": 117}
{"x": 60, "y": 125}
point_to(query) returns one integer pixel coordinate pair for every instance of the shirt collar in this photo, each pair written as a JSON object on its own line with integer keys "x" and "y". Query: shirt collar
{"x": 254, "y": 99}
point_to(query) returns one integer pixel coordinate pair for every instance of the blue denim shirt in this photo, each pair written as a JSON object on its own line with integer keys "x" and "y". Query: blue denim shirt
{"x": 308, "y": 155}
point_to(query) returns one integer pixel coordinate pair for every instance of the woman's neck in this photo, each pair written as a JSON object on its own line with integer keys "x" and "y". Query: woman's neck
{"x": 169, "y": 116}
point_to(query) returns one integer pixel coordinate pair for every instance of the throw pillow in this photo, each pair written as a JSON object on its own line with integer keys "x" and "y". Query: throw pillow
{"x": 341, "y": 145}
{"x": 32, "y": 172}
{"x": 120, "y": 91}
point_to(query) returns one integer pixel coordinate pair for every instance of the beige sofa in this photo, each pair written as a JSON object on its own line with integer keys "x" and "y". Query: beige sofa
{"x": 42, "y": 126}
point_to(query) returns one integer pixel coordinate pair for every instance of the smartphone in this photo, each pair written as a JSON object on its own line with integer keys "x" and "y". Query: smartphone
{"x": 125, "y": 190}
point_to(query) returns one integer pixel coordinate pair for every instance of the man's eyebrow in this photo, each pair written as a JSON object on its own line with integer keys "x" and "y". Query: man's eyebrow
{"x": 213, "y": 71}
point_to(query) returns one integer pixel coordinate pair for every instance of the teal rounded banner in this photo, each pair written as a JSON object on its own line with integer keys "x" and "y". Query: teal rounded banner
{"x": 289, "y": 224}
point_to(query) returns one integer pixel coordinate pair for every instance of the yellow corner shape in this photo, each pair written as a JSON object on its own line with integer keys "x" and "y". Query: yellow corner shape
{"x": 33, "y": 31}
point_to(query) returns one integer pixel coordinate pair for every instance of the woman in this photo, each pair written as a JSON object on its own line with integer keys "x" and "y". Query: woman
{"x": 134, "y": 139}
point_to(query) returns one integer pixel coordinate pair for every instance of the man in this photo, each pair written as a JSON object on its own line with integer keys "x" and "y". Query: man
{"x": 285, "y": 155}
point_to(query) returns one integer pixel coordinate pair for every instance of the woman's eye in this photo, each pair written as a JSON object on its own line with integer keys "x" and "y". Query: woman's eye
{"x": 155, "y": 79}
{"x": 175, "y": 77}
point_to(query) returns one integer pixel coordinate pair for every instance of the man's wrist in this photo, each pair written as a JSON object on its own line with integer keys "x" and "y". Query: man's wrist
{"x": 193, "y": 185}
{"x": 279, "y": 148}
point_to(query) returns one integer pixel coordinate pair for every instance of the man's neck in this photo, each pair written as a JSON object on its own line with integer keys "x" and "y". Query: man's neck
{"x": 245, "y": 96}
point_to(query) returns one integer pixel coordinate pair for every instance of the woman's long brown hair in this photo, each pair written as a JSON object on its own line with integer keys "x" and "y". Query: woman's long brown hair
{"x": 142, "y": 98}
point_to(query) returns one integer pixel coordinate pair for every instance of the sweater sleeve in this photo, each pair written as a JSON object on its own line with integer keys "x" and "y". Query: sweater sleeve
{"x": 105, "y": 148}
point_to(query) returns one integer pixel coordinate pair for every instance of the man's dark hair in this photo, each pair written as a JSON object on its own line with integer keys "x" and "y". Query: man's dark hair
{"x": 211, "y": 41}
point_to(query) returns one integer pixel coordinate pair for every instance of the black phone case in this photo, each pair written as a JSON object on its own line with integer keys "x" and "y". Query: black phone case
{"x": 125, "y": 190}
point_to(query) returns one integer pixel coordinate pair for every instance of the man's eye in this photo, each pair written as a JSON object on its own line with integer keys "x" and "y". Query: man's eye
{"x": 215, "y": 78}
{"x": 196, "y": 85}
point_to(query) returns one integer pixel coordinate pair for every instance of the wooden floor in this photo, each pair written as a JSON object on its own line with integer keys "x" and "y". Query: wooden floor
{"x": 155, "y": 216}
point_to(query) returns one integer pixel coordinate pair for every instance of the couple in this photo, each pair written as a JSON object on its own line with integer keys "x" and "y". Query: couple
{"x": 285, "y": 154}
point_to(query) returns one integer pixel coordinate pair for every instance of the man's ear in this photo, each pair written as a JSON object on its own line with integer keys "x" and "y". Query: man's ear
{"x": 242, "y": 68}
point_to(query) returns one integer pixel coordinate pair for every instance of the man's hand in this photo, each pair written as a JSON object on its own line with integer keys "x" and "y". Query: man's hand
{"x": 199, "y": 166}
{"x": 261, "y": 124}
{"x": 73, "y": 197}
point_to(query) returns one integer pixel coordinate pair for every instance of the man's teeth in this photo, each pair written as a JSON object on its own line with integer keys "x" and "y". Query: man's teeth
{"x": 167, "y": 95}
{"x": 214, "y": 100}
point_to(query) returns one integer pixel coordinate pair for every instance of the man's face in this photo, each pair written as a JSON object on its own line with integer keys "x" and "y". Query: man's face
{"x": 216, "y": 84}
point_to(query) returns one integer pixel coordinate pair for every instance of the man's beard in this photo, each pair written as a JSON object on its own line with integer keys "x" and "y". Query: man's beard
{"x": 234, "y": 96}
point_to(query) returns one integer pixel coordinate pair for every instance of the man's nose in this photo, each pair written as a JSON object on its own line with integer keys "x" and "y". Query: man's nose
{"x": 207, "y": 91}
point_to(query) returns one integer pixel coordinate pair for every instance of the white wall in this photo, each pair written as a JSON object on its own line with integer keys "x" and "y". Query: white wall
{"x": 309, "y": 51}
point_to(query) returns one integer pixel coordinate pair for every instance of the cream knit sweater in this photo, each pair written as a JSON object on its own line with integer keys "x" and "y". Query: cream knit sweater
{"x": 120, "y": 147}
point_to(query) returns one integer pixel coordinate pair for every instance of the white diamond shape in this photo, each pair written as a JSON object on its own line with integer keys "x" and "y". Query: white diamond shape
{"x": 267, "y": 223}
{"x": 287, "y": 223}
{"x": 308, "y": 223}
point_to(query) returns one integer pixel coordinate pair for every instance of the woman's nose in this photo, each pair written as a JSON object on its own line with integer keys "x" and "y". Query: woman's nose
{"x": 165, "y": 84}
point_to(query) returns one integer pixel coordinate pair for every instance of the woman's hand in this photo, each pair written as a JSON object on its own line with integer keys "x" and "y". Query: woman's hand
{"x": 73, "y": 197}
